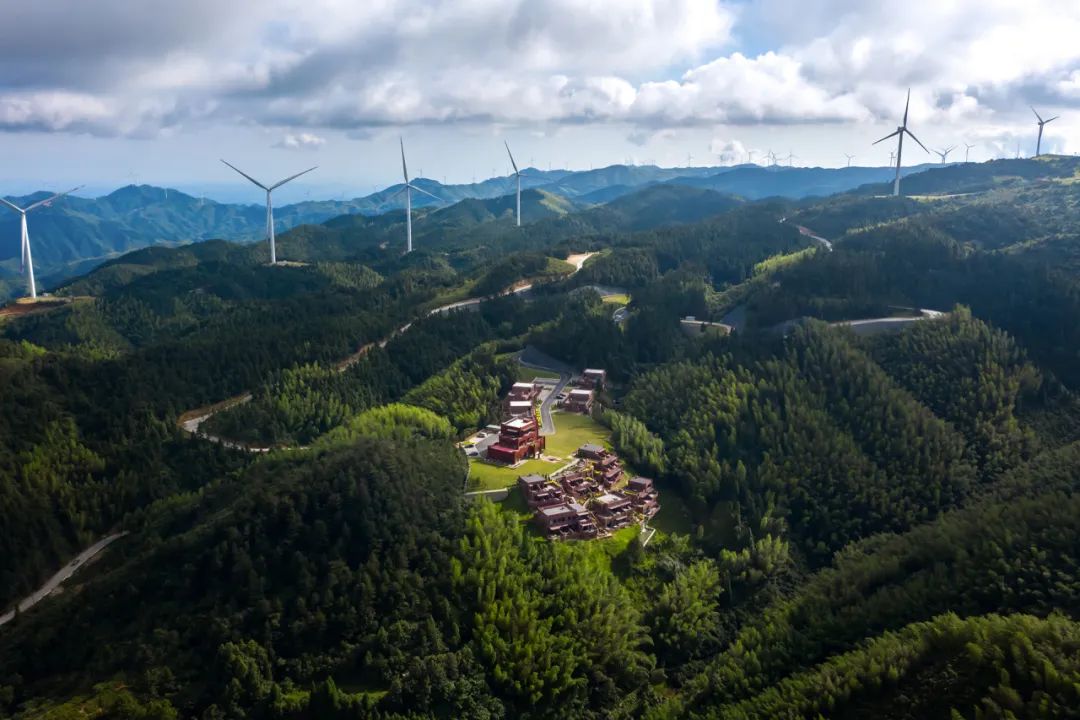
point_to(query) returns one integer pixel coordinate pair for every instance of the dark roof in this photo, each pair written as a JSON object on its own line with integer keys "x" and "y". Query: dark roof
{"x": 592, "y": 448}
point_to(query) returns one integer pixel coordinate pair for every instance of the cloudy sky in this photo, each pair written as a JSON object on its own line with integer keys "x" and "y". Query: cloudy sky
{"x": 113, "y": 91}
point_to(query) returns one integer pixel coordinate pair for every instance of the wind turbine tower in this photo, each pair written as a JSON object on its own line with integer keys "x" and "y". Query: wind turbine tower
{"x": 24, "y": 241}
{"x": 791, "y": 156}
{"x": 944, "y": 154}
{"x": 270, "y": 204}
{"x": 517, "y": 176}
{"x": 899, "y": 134}
{"x": 409, "y": 187}
{"x": 967, "y": 151}
{"x": 849, "y": 159}
{"x": 1038, "y": 143}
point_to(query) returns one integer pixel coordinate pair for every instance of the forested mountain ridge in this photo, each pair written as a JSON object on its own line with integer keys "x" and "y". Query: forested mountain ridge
{"x": 77, "y": 234}
{"x": 853, "y": 525}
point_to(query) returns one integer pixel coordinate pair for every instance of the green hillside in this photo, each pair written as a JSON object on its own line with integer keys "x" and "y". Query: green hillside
{"x": 858, "y": 519}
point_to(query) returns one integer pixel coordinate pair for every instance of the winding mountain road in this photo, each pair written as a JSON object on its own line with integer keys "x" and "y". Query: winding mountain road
{"x": 192, "y": 420}
{"x": 50, "y": 586}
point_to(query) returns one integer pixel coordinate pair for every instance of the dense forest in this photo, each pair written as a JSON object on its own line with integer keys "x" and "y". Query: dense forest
{"x": 855, "y": 523}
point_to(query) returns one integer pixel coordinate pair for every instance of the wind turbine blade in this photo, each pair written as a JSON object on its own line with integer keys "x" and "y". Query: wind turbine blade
{"x": 906, "y": 105}
{"x": 404, "y": 170}
{"x": 400, "y": 190}
{"x": 46, "y": 201}
{"x": 425, "y": 192}
{"x": 511, "y": 157}
{"x": 892, "y": 134}
{"x": 293, "y": 177}
{"x": 1051, "y": 119}
{"x": 916, "y": 140}
{"x": 11, "y": 205}
{"x": 1036, "y": 114}
{"x": 246, "y": 175}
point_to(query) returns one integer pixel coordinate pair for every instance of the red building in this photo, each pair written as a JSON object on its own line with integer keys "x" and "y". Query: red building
{"x": 591, "y": 451}
{"x": 579, "y": 401}
{"x": 593, "y": 379}
{"x": 519, "y": 408}
{"x": 519, "y": 438}
{"x": 566, "y": 521}
{"x": 539, "y": 492}
{"x": 524, "y": 391}
{"x": 613, "y": 511}
{"x": 644, "y": 497}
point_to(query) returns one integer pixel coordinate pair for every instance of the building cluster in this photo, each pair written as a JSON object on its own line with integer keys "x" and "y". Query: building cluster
{"x": 580, "y": 399}
{"x": 588, "y": 499}
{"x": 521, "y": 400}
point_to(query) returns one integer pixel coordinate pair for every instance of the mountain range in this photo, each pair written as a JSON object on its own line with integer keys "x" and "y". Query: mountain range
{"x": 77, "y": 234}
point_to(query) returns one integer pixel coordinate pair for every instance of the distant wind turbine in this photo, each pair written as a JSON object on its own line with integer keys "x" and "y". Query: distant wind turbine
{"x": 409, "y": 187}
{"x": 750, "y": 157}
{"x": 270, "y": 204}
{"x": 1038, "y": 143}
{"x": 899, "y": 133}
{"x": 27, "y": 260}
{"x": 517, "y": 177}
{"x": 849, "y": 159}
{"x": 967, "y": 151}
{"x": 689, "y": 160}
{"x": 944, "y": 154}
{"x": 892, "y": 157}
{"x": 791, "y": 156}
{"x": 771, "y": 157}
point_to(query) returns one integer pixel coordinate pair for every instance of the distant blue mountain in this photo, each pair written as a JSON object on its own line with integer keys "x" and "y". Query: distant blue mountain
{"x": 78, "y": 233}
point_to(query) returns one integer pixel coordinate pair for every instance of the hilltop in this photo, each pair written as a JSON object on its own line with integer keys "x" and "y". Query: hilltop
{"x": 77, "y": 233}
{"x": 868, "y": 519}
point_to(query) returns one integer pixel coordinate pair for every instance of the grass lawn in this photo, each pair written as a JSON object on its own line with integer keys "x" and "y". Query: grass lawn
{"x": 483, "y": 476}
{"x": 571, "y": 432}
{"x": 618, "y": 299}
{"x": 525, "y": 374}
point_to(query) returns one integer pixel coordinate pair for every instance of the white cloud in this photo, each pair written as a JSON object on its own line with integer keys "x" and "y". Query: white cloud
{"x": 728, "y": 152}
{"x": 300, "y": 141}
{"x": 650, "y": 64}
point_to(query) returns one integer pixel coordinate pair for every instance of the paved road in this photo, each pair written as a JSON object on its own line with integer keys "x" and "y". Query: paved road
{"x": 547, "y": 425}
{"x": 810, "y": 234}
{"x": 191, "y": 425}
{"x": 63, "y": 574}
{"x": 532, "y": 358}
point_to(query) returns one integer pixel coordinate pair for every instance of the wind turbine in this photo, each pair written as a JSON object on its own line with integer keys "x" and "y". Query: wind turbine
{"x": 892, "y": 157}
{"x": 270, "y": 204}
{"x": 770, "y": 157}
{"x": 27, "y": 260}
{"x": 899, "y": 133}
{"x": 1038, "y": 143}
{"x": 791, "y": 156}
{"x": 967, "y": 151}
{"x": 409, "y": 187}
{"x": 944, "y": 154}
{"x": 750, "y": 156}
{"x": 517, "y": 176}
{"x": 849, "y": 159}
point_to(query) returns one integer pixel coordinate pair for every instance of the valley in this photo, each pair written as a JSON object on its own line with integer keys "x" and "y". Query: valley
{"x": 866, "y": 472}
